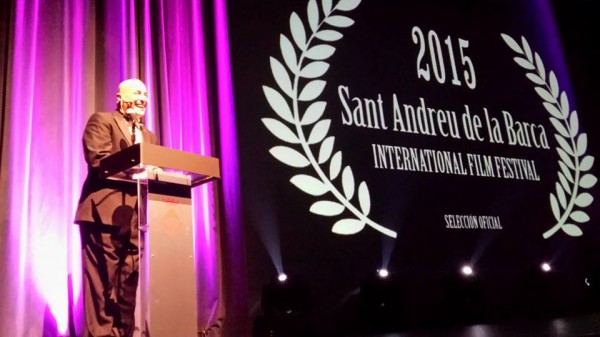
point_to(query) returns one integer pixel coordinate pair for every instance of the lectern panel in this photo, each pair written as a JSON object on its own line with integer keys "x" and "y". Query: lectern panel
{"x": 169, "y": 270}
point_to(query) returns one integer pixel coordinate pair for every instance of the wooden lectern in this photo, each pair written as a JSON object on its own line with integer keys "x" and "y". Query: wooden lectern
{"x": 167, "y": 292}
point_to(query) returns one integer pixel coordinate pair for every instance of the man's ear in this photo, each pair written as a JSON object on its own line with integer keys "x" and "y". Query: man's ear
{"x": 119, "y": 98}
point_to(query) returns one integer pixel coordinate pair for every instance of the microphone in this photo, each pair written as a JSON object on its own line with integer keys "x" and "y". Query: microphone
{"x": 131, "y": 114}
{"x": 134, "y": 117}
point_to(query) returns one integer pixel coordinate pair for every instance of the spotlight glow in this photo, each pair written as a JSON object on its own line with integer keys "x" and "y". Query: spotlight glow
{"x": 546, "y": 267}
{"x": 467, "y": 270}
{"x": 282, "y": 277}
{"x": 383, "y": 273}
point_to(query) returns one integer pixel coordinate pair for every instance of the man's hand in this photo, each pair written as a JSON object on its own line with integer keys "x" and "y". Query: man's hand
{"x": 141, "y": 172}
{"x": 152, "y": 168}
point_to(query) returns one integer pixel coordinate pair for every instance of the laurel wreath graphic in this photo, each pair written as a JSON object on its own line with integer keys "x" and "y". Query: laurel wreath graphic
{"x": 572, "y": 145}
{"x": 304, "y": 62}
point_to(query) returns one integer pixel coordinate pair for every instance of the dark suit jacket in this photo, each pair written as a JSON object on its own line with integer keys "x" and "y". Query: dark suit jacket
{"x": 105, "y": 134}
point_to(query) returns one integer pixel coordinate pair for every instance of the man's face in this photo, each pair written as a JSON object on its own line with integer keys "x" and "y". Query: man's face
{"x": 133, "y": 97}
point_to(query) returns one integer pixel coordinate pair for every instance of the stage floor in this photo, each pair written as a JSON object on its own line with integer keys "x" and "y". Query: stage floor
{"x": 576, "y": 326}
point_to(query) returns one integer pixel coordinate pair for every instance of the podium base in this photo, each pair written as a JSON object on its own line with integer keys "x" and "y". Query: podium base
{"x": 167, "y": 303}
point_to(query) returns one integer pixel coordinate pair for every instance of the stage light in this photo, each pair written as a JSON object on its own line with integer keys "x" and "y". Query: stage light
{"x": 592, "y": 289}
{"x": 286, "y": 297}
{"x": 380, "y": 300}
{"x": 591, "y": 279}
{"x": 467, "y": 270}
{"x": 461, "y": 301}
{"x": 546, "y": 267}
{"x": 286, "y": 305}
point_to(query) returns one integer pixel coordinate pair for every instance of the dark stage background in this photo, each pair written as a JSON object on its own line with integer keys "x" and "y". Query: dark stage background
{"x": 375, "y": 61}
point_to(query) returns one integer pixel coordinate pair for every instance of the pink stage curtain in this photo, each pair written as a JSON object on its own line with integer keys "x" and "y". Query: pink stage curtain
{"x": 62, "y": 60}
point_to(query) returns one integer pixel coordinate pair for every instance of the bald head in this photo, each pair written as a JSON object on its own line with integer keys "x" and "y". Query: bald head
{"x": 132, "y": 97}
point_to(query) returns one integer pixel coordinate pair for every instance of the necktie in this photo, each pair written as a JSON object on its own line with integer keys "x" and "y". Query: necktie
{"x": 136, "y": 133}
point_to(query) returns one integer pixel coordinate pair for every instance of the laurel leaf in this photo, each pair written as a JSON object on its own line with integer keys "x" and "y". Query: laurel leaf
{"x": 289, "y": 156}
{"x": 554, "y": 206}
{"x": 289, "y": 85}
{"x": 313, "y": 15}
{"x": 524, "y": 63}
{"x": 586, "y": 163}
{"x": 564, "y": 182}
{"x": 313, "y": 113}
{"x": 326, "y": 149}
{"x": 526, "y": 48}
{"x": 281, "y": 76}
{"x": 553, "y": 85}
{"x": 571, "y": 230}
{"x": 545, "y": 95}
{"x": 309, "y": 185}
{"x": 320, "y": 52}
{"x": 512, "y": 43}
{"x": 348, "y": 226}
{"x": 540, "y": 66}
{"x": 580, "y": 216}
{"x": 281, "y": 130}
{"x": 312, "y": 90}
{"x": 314, "y": 69}
{"x": 564, "y": 145}
{"x": 347, "y": 5}
{"x": 564, "y": 105}
{"x": 327, "y": 208}
{"x": 364, "y": 198}
{"x": 565, "y": 171}
{"x": 581, "y": 144}
{"x": 584, "y": 200}
{"x": 535, "y": 78}
{"x": 560, "y": 127}
{"x": 588, "y": 181}
{"x": 348, "y": 182}
{"x": 278, "y": 104}
{"x": 329, "y": 35}
{"x": 574, "y": 123}
{"x": 561, "y": 196}
{"x": 326, "y": 4}
{"x": 335, "y": 165}
{"x": 298, "y": 32}
{"x": 565, "y": 158}
{"x": 553, "y": 110}
{"x": 319, "y": 131}
{"x": 288, "y": 52}
{"x": 339, "y": 21}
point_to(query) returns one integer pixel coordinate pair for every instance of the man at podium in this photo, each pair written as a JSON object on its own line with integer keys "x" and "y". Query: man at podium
{"x": 107, "y": 216}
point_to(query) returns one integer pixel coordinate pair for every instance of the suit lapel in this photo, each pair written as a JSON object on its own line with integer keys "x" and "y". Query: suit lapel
{"x": 122, "y": 124}
{"x": 147, "y": 136}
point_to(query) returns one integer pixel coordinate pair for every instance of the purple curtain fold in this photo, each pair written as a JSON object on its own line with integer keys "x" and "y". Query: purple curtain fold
{"x": 46, "y": 107}
{"x": 183, "y": 113}
{"x": 235, "y": 273}
{"x": 64, "y": 61}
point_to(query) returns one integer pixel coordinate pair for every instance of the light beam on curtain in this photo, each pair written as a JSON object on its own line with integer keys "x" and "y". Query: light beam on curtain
{"x": 237, "y": 312}
{"x": 116, "y": 53}
{"x": 184, "y": 117}
{"x": 46, "y": 112}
